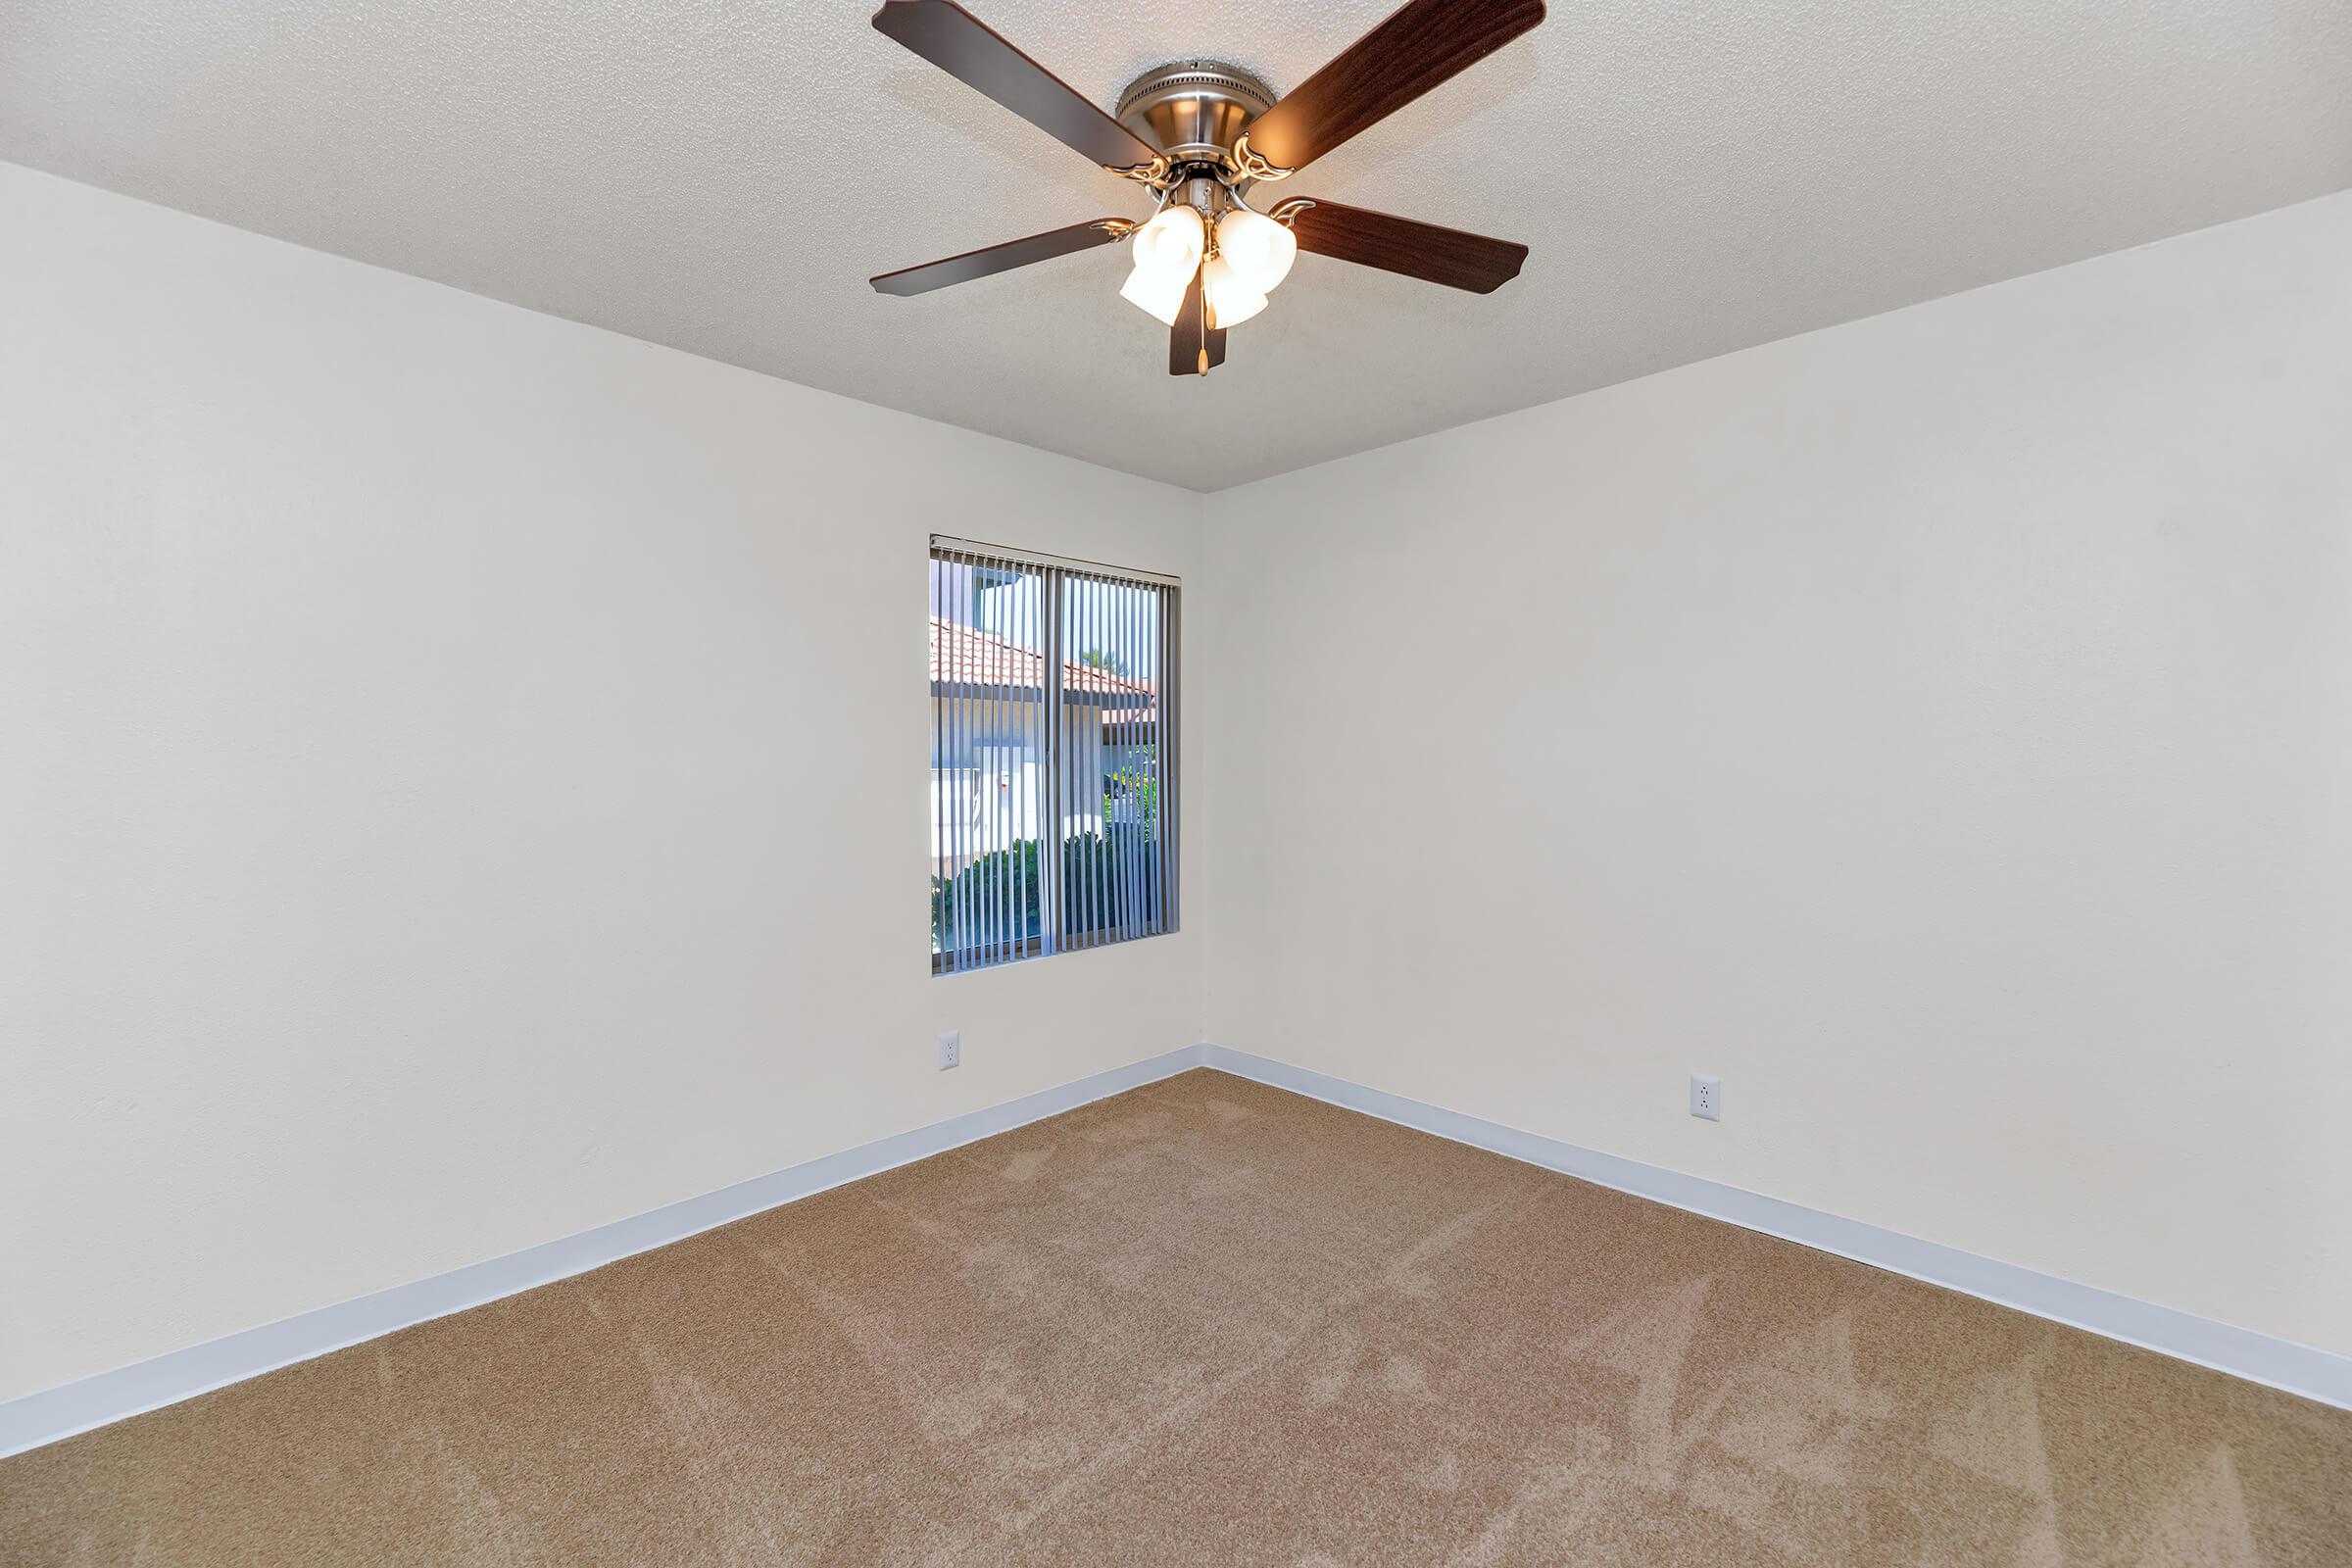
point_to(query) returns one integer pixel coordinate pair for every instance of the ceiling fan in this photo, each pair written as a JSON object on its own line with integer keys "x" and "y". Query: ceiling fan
{"x": 1200, "y": 134}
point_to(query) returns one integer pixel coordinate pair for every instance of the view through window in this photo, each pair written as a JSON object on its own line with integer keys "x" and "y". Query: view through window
{"x": 1052, "y": 755}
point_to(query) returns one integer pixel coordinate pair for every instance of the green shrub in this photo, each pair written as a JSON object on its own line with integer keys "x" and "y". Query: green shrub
{"x": 1140, "y": 785}
{"x": 1106, "y": 880}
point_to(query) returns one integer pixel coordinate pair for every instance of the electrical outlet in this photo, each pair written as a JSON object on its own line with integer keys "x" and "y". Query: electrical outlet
{"x": 1706, "y": 1097}
{"x": 950, "y": 1049}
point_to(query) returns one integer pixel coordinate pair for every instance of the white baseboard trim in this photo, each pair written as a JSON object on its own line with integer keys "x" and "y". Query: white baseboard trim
{"x": 2302, "y": 1369}
{"x": 35, "y": 1419}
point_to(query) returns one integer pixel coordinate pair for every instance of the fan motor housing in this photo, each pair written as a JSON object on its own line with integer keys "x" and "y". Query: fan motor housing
{"x": 1193, "y": 110}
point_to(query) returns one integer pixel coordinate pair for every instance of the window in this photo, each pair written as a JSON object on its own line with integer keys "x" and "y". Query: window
{"x": 1052, "y": 755}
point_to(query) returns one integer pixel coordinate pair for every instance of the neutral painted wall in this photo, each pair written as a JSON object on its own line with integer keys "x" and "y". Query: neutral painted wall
{"x": 443, "y": 805}
{"x": 1940, "y": 726}
{"x": 444, "y": 798}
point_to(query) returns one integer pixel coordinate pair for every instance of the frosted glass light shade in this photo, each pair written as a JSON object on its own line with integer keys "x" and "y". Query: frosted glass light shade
{"x": 1230, "y": 299}
{"x": 1171, "y": 243}
{"x": 1258, "y": 249}
{"x": 1155, "y": 293}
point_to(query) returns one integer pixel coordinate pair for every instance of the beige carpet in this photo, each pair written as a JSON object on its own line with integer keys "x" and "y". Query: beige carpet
{"x": 1203, "y": 1323}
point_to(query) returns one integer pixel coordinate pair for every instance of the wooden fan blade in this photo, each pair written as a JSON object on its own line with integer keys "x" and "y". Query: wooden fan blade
{"x": 1423, "y": 44}
{"x": 1188, "y": 338}
{"x": 1214, "y": 341}
{"x": 969, "y": 50}
{"x": 1001, "y": 258}
{"x": 1425, "y": 251}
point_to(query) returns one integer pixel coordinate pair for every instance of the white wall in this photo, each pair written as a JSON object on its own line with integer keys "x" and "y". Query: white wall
{"x": 1940, "y": 726}
{"x": 442, "y": 806}
{"x": 442, "y": 801}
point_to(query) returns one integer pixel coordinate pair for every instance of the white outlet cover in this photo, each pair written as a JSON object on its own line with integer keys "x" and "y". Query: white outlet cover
{"x": 1706, "y": 1097}
{"x": 950, "y": 1049}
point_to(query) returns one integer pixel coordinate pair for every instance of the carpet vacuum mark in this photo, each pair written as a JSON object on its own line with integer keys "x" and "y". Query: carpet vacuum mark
{"x": 1210, "y": 1322}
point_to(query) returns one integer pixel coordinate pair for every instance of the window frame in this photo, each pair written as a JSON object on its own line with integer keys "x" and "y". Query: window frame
{"x": 1162, "y": 904}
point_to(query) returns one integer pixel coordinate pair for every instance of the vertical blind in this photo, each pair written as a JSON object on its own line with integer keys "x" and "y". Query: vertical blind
{"x": 1054, "y": 751}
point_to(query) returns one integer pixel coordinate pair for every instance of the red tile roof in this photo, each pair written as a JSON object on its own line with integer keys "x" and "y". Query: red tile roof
{"x": 966, "y": 655}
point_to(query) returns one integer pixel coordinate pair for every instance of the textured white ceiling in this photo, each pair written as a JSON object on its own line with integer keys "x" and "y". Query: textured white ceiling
{"x": 1693, "y": 175}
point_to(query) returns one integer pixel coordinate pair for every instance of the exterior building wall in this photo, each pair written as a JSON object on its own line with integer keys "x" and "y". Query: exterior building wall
{"x": 989, "y": 781}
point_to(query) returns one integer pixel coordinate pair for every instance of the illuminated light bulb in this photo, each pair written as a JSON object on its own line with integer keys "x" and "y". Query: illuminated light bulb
{"x": 1171, "y": 243}
{"x": 1231, "y": 300}
{"x": 1157, "y": 294}
{"x": 1258, "y": 249}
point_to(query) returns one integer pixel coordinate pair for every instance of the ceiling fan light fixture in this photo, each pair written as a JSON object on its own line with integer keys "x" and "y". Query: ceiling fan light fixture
{"x": 1258, "y": 249}
{"x": 1231, "y": 298}
{"x": 1198, "y": 134}
{"x": 1171, "y": 244}
{"x": 1158, "y": 294}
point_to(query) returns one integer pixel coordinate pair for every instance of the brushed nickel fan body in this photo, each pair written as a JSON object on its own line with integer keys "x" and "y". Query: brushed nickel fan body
{"x": 1194, "y": 111}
